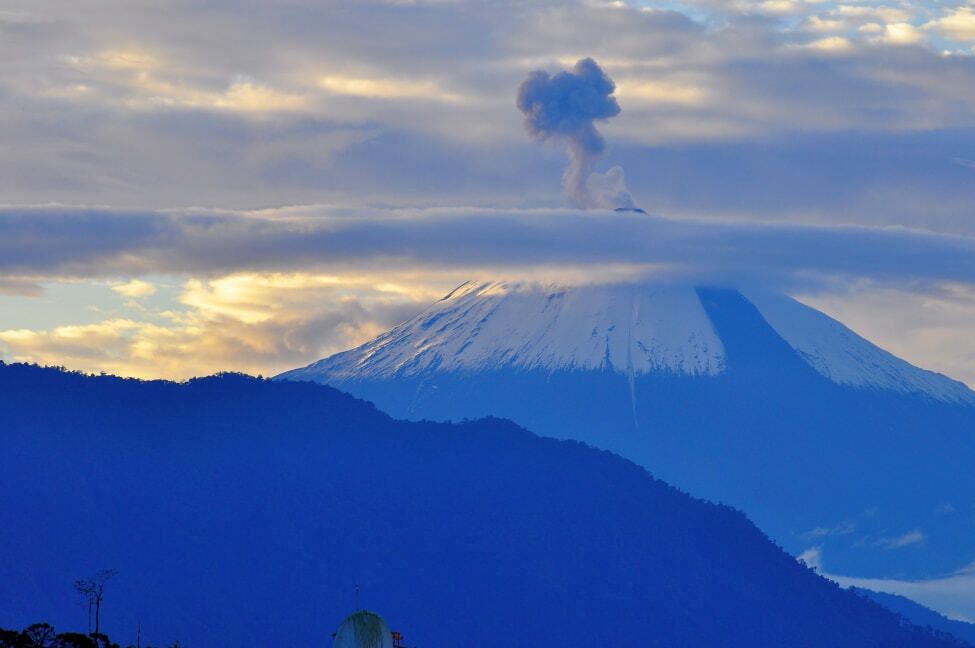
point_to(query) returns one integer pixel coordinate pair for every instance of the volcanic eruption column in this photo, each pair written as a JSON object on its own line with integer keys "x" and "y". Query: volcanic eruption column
{"x": 565, "y": 106}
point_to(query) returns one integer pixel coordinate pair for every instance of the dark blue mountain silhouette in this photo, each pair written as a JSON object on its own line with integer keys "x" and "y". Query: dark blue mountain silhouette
{"x": 243, "y": 512}
{"x": 922, "y": 616}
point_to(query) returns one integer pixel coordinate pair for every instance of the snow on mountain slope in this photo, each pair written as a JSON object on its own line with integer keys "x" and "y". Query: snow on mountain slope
{"x": 631, "y": 329}
{"x": 844, "y": 357}
{"x": 626, "y": 328}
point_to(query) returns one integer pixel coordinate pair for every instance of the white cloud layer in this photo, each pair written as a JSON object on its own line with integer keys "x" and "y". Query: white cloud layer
{"x": 952, "y": 595}
{"x": 98, "y": 242}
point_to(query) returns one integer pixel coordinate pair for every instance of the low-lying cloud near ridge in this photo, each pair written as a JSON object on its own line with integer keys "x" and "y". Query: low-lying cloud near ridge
{"x": 953, "y": 595}
{"x": 79, "y": 243}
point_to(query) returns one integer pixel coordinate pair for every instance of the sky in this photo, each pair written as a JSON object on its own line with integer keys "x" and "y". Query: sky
{"x": 196, "y": 186}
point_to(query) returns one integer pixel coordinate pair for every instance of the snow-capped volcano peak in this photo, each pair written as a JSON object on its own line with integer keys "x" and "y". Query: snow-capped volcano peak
{"x": 632, "y": 329}
{"x": 629, "y": 329}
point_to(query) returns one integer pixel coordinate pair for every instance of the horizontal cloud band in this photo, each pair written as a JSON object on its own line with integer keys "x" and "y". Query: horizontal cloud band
{"x": 80, "y": 242}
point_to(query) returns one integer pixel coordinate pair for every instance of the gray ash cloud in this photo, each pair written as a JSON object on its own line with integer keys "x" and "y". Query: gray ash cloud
{"x": 565, "y": 106}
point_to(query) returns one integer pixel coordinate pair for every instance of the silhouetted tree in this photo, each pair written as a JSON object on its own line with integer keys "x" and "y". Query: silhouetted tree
{"x": 75, "y": 640}
{"x": 10, "y": 639}
{"x": 102, "y": 641}
{"x": 40, "y": 635}
{"x": 94, "y": 589}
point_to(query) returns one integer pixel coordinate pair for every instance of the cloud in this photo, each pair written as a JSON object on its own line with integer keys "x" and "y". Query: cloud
{"x": 844, "y": 528}
{"x": 137, "y": 79}
{"x": 134, "y": 288}
{"x": 261, "y": 323}
{"x": 813, "y": 557}
{"x": 913, "y": 537}
{"x": 79, "y": 345}
{"x": 410, "y": 104}
{"x": 676, "y": 92}
{"x": 901, "y": 33}
{"x": 883, "y": 13}
{"x": 818, "y": 24}
{"x": 18, "y": 287}
{"x": 92, "y": 242}
{"x": 952, "y": 595}
{"x": 831, "y": 44}
{"x": 385, "y": 88}
{"x": 958, "y": 24}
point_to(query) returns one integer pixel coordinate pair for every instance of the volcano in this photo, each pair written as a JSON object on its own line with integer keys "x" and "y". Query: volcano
{"x": 743, "y": 397}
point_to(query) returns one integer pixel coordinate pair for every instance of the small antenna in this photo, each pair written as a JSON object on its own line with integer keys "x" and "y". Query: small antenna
{"x": 357, "y": 608}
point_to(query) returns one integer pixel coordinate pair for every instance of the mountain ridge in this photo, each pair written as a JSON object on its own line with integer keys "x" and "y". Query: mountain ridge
{"x": 265, "y": 504}
{"x": 800, "y": 444}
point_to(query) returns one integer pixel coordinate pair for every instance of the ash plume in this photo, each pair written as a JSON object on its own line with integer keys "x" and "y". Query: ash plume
{"x": 565, "y": 106}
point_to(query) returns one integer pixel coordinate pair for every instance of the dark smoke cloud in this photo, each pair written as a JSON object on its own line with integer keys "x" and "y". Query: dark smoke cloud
{"x": 565, "y": 106}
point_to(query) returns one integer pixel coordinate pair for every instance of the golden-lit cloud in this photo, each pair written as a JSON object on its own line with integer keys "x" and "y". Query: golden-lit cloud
{"x": 259, "y": 323}
{"x": 831, "y": 44}
{"x": 818, "y": 24}
{"x": 139, "y": 80}
{"x": 247, "y": 96}
{"x": 661, "y": 92}
{"x": 882, "y": 13}
{"x": 134, "y": 288}
{"x": 384, "y": 88}
{"x": 780, "y": 6}
{"x": 901, "y": 34}
{"x": 128, "y": 59}
{"x": 99, "y": 346}
{"x": 959, "y": 24}
{"x": 870, "y": 28}
{"x": 251, "y": 322}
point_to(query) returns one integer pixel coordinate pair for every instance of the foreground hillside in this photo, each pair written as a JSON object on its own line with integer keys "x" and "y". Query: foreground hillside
{"x": 243, "y": 512}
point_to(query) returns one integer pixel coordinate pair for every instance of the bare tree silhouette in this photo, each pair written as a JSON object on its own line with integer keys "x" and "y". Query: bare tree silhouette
{"x": 41, "y": 635}
{"x": 94, "y": 589}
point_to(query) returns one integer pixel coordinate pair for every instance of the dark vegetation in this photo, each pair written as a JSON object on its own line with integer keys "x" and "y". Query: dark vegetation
{"x": 244, "y": 512}
{"x": 43, "y": 635}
